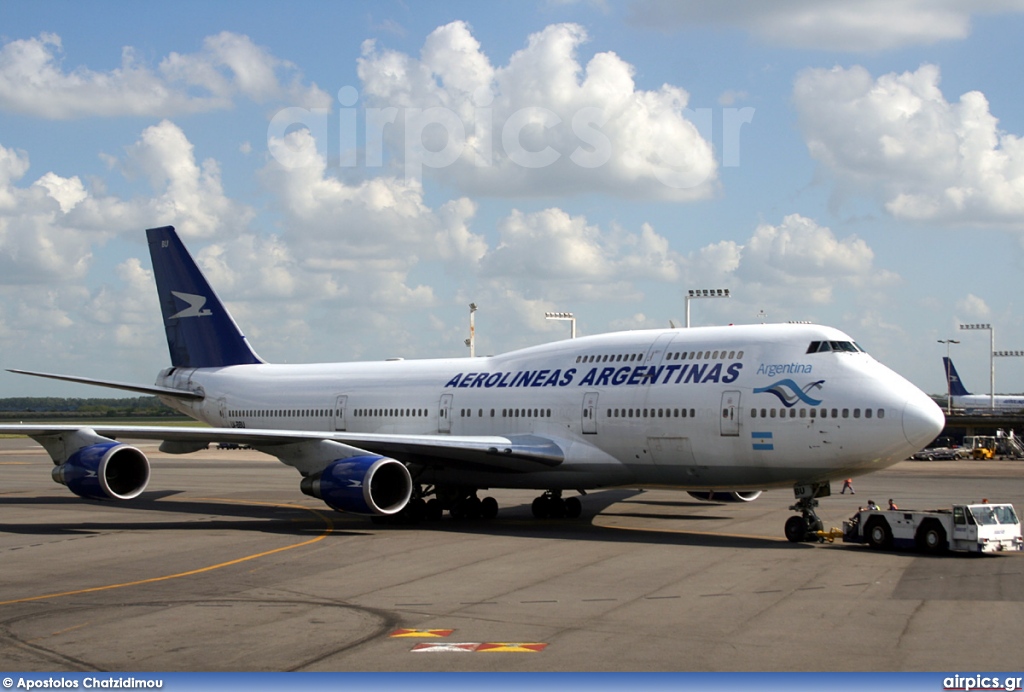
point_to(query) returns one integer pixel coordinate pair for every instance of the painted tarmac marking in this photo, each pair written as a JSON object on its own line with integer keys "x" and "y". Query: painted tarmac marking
{"x": 328, "y": 529}
{"x": 420, "y": 633}
{"x": 446, "y": 648}
{"x": 483, "y": 647}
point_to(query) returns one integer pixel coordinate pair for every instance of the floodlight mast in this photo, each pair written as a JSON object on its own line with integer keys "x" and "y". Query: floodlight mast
{"x": 703, "y": 293}
{"x": 471, "y": 341}
{"x": 565, "y": 317}
{"x": 1008, "y": 354}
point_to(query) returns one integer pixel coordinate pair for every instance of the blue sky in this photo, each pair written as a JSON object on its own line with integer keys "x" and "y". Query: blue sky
{"x": 853, "y": 164}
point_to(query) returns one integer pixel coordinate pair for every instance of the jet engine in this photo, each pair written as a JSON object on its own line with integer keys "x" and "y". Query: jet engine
{"x": 367, "y": 484}
{"x": 728, "y": 496}
{"x": 105, "y": 471}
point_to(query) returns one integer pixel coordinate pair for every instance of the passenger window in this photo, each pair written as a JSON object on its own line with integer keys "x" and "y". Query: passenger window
{"x": 867, "y": 413}
{"x": 846, "y": 413}
{"x": 739, "y": 355}
{"x": 771, "y": 412}
{"x": 803, "y": 413}
{"x": 881, "y": 413}
{"x": 753, "y": 413}
{"x": 856, "y": 413}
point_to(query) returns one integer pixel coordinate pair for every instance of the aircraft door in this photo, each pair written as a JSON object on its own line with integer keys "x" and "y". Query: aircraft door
{"x": 658, "y": 348}
{"x": 340, "y": 422}
{"x": 444, "y": 414}
{"x": 730, "y": 413}
{"x": 590, "y": 413}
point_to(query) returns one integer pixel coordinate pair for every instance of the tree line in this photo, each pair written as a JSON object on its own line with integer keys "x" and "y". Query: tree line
{"x": 63, "y": 407}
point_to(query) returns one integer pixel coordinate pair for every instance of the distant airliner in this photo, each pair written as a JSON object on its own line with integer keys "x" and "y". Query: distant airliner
{"x": 722, "y": 412}
{"x": 961, "y": 398}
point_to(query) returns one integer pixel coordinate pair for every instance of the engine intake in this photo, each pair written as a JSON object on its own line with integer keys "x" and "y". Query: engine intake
{"x": 105, "y": 471}
{"x": 363, "y": 485}
{"x": 728, "y": 495}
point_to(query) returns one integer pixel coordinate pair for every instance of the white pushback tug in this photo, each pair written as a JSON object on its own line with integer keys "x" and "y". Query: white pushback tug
{"x": 980, "y": 528}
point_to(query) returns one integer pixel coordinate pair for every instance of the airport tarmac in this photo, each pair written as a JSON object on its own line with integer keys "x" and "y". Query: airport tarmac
{"x": 222, "y": 565}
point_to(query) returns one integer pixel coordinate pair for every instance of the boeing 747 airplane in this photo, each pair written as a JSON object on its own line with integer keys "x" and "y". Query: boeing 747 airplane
{"x": 721, "y": 412}
{"x": 961, "y": 398}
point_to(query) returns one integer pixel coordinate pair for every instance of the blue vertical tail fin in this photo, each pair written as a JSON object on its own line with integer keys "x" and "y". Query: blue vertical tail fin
{"x": 200, "y": 331}
{"x": 956, "y": 387}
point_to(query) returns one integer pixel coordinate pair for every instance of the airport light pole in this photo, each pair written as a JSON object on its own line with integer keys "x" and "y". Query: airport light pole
{"x": 565, "y": 317}
{"x": 991, "y": 359}
{"x": 949, "y": 394}
{"x": 471, "y": 341}
{"x": 1008, "y": 354}
{"x": 703, "y": 293}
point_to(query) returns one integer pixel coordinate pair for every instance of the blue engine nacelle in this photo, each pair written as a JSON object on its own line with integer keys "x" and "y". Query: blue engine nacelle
{"x": 368, "y": 484}
{"x": 105, "y": 471}
{"x": 728, "y": 496}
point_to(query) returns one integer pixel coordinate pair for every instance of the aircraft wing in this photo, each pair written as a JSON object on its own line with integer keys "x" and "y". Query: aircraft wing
{"x": 507, "y": 452}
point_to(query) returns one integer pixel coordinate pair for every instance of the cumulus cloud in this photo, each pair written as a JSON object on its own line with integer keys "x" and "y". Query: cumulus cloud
{"x": 48, "y": 229}
{"x": 553, "y": 247}
{"x": 381, "y": 219}
{"x": 867, "y": 25}
{"x": 541, "y": 125}
{"x": 930, "y": 159}
{"x": 34, "y": 81}
{"x": 974, "y": 307}
{"x": 798, "y": 261}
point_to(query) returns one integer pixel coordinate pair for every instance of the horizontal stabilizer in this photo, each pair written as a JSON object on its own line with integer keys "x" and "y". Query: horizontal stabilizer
{"x": 152, "y": 390}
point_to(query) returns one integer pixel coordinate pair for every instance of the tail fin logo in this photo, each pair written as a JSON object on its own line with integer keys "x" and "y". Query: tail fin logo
{"x": 195, "y": 305}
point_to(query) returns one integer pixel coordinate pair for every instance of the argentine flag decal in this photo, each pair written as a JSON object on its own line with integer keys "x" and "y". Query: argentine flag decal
{"x": 762, "y": 441}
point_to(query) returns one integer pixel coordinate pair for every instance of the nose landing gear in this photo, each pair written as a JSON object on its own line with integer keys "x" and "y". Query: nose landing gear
{"x": 805, "y": 527}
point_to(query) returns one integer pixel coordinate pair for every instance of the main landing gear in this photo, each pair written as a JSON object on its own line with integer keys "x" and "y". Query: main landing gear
{"x": 550, "y": 505}
{"x": 429, "y": 503}
{"x": 805, "y": 527}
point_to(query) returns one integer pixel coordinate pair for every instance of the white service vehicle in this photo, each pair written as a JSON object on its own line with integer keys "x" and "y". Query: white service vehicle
{"x": 981, "y": 528}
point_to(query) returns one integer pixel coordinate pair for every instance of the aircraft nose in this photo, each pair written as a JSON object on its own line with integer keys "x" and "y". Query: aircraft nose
{"x": 923, "y": 420}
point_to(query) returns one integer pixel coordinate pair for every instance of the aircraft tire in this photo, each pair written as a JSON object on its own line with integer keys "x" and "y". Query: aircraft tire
{"x": 470, "y": 508}
{"x": 796, "y": 529}
{"x": 433, "y": 511}
{"x": 573, "y": 508}
{"x": 556, "y": 508}
{"x": 540, "y": 508}
{"x": 488, "y": 508}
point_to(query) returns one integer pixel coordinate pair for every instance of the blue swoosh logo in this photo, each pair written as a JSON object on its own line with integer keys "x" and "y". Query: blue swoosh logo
{"x": 789, "y": 392}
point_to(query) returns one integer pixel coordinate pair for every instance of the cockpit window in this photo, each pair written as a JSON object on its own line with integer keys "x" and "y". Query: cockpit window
{"x": 827, "y": 346}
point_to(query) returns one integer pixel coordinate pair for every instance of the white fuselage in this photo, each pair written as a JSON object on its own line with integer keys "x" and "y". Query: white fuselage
{"x": 1002, "y": 402}
{"x": 743, "y": 407}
